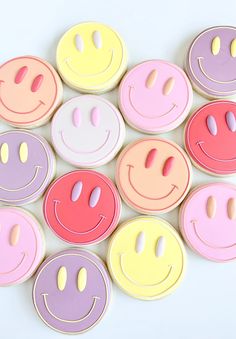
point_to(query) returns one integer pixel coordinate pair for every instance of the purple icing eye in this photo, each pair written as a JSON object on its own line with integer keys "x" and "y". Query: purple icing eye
{"x": 94, "y": 197}
{"x": 76, "y": 191}
{"x": 97, "y": 39}
{"x": 230, "y": 120}
{"x": 95, "y": 116}
{"x": 79, "y": 44}
{"x": 76, "y": 117}
{"x": 211, "y": 125}
{"x": 140, "y": 242}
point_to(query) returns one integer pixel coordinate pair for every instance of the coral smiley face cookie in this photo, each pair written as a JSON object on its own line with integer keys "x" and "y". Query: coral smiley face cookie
{"x": 211, "y": 62}
{"x": 87, "y": 131}
{"x": 91, "y": 57}
{"x": 208, "y": 220}
{"x": 153, "y": 175}
{"x": 146, "y": 258}
{"x": 210, "y": 137}
{"x": 30, "y": 91}
{"x": 82, "y": 207}
{"x": 155, "y": 96}
{"x": 72, "y": 291}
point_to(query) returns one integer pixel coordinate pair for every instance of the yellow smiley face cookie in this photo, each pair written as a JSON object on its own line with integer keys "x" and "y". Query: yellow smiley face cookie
{"x": 91, "y": 57}
{"x": 146, "y": 258}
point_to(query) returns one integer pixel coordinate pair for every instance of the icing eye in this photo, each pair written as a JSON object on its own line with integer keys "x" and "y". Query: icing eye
{"x": 21, "y": 74}
{"x": 61, "y": 278}
{"x": 79, "y": 44}
{"x": 82, "y": 279}
{"x": 211, "y": 207}
{"x": 169, "y": 85}
{"x": 231, "y": 208}
{"x": 233, "y": 48}
{"x": 14, "y": 235}
{"x": 23, "y": 152}
{"x": 211, "y": 125}
{"x": 151, "y": 79}
{"x": 95, "y": 116}
{"x": 94, "y": 196}
{"x": 150, "y": 158}
{"x": 36, "y": 84}
{"x": 169, "y": 163}
{"x": 140, "y": 242}
{"x": 97, "y": 39}
{"x": 76, "y": 117}
{"x": 76, "y": 191}
{"x": 4, "y": 153}
{"x": 215, "y": 45}
{"x": 160, "y": 246}
{"x": 231, "y": 121}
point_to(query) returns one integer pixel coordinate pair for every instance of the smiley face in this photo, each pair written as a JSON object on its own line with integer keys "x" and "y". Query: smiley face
{"x": 208, "y": 219}
{"x": 91, "y": 57}
{"x": 210, "y": 137}
{"x": 146, "y": 258}
{"x": 30, "y": 91}
{"x": 211, "y": 62}
{"x": 155, "y": 96}
{"x": 82, "y": 207}
{"x": 72, "y": 291}
{"x": 26, "y": 167}
{"x": 147, "y": 175}
{"x": 22, "y": 245}
{"x": 87, "y": 131}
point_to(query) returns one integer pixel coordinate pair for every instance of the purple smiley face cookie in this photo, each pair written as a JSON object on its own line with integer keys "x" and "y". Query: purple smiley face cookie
{"x": 26, "y": 167}
{"x": 211, "y": 62}
{"x": 72, "y": 291}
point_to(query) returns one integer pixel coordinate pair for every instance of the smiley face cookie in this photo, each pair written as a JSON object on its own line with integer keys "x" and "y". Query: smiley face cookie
{"x": 30, "y": 91}
{"x": 91, "y": 57}
{"x": 72, "y": 291}
{"x": 146, "y": 258}
{"x": 155, "y": 96}
{"x": 211, "y": 62}
{"x": 210, "y": 138}
{"x": 153, "y": 175}
{"x": 87, "y": 131}
{"x": 82, "y": 207}
{"x": 22, "y": 245}
{"x": 27, "y": 166}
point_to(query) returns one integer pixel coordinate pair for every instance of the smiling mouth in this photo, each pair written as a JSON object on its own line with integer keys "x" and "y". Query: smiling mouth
{"x": 145, "y": 116}
{"x": 85, "y": 152}
{"x": 144, "y": 196}
{"x": 102, "y": 217}
{"x": 95, "y": 299}
{"x": 199, "y": 143}
{"x": 17, "y": 266}
{"x": 199, "y": 59}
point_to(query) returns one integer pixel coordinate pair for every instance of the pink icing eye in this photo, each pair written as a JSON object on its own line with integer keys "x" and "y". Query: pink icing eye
{"x": 231, "y": 122}
{"x": 151, "y": 79}
{"x": 14, "y": 235}
{"x": 76, "y": 117}
{"x": 95, "y": 116}
{"x": 79, "y": 44}
{"x": 36, "y": 84}
{"x": 76, "y": 191}
{"x": 211, "y": 125}
{"x": 150, "y": 158}
{"x": 97, "y": 39}
{"x": 169, "y": 163}
{"x": 21, "y": 74}
{"x": 140, "y": 242}
{"x": 160, "y": 246}
{"x": 94, "y": 197}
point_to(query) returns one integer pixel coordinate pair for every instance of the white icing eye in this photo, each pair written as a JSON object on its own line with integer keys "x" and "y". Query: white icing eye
{"x": 95, "y": 116}
{"x": 4, "y": 153}
{"x": 211, "y": 207}
{"x": 61, "y": 278}
{"x": 94, "y": 197}
{"x": 14, "y": 235}
{"x": 79, "y": 44}
{"x": 140, "y": 242}
{"x": 160, "y": 246}
{"x": 211, "y": 125}
{"x": 151, "y": 79}
{"x": 215, "y": 45}
{"x": 233, "y": 48}
{"x": 168, "y": 86}
{"x": 23, "y": 152}
{"x": 76, "y": 191}
{"x": 97, "y": 39}
{"x": 231, "y": 121}
{"x": 82, "y": 279}
{"x": 231, "y": 208}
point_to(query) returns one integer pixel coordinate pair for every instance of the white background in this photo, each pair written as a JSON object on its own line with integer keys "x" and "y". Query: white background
{"x": 204, "y": 306}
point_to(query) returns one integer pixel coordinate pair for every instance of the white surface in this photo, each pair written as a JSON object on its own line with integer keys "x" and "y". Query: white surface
{"x": 203, "y": 307}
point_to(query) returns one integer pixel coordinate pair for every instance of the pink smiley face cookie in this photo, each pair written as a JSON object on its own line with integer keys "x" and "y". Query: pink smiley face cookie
{"x": 153, "y": 175}
{"x": 155, "y": 96}
{"x": 208, "y": 220}
{"x": 30, "y": 91}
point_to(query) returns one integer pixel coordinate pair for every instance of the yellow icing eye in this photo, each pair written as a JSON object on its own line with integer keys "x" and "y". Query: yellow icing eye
{"x": 61, "y": 278}
{"x": 215, "y": 45}
{"x": 15, "y": 235}
{"x": 23, "y": 152}
{"x": 4, "y": 153}
{"x": 233, "y": 48}
{"x": 82, "y": 279}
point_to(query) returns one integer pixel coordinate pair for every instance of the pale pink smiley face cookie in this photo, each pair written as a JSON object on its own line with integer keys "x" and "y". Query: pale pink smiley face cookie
{"x": 153, "y": 175}
{"x": 30, "y": 91}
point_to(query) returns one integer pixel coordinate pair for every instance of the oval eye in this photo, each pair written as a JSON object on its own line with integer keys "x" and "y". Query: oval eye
{"x": 211, "y": 125}
{"x": 76, "y": 117}
{"x": 4, "y": 153}
{"x": 211, "y": 207}
{"x": 231, "y": 122}
{"x": 14, "y": 235}
{"x": 21, "y": 74}
{"x": 169, "y": 85}
{"x": 36, "y": 84}
{"x": 160, "y": 246}
{"x": 94, "y": 196}
{"x": 79, "y": 44}
{"x": 95, "y": 116}
{"x": 61, "y": 278}
{"x": 215, "y": 45}
{"x": 76, "y": 191}
{"x": 82, "y": 279}
{"x": 169, "y": 163}
{"x": 151, "y": 79}
{"x": 231, "y": 208}
{"x": 140, "y": 242}
{"x": 233, "y": 48}
{"x": 23, "y": 152}
{"x": 150, "y": 158}
{"x": 97, "y": 39}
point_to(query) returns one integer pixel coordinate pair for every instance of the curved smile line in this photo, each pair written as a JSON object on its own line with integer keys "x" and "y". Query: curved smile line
{"x": 85, "y": 152}
{"x": 145, "y": 116}
{"x": 69, "y": 321}
{"x": 136, "y": 282}
{"x": 18, "y": 265}
{"x": 199, "y": 59}
{"x": 199, "y": 143}
{"x": 37, "y": 168}
{"x": 144, "y": 196}
{"x": 102, "y": 217}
